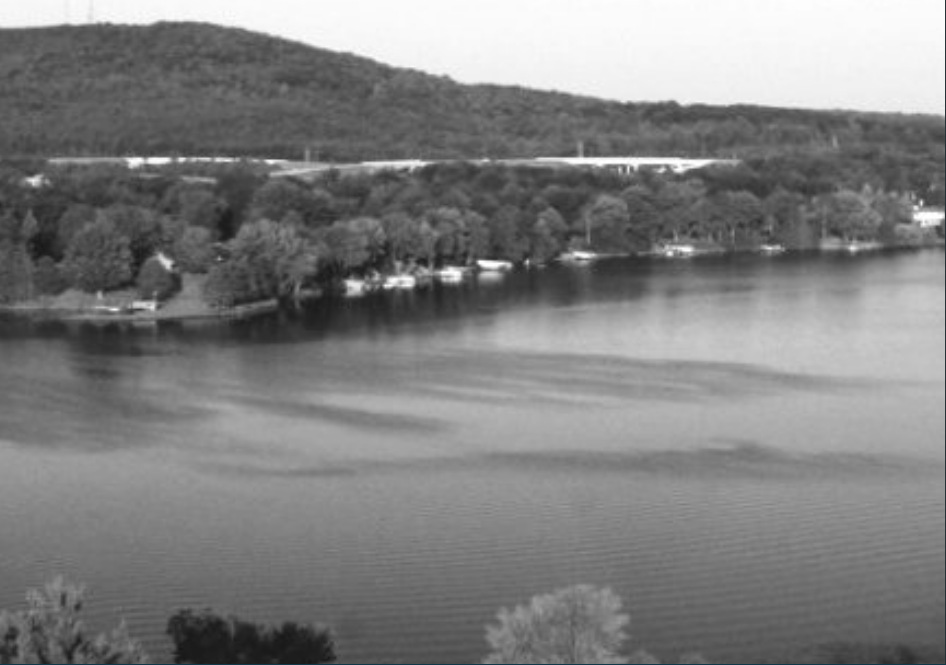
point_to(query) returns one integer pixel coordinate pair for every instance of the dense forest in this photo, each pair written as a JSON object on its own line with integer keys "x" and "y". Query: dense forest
{"x": 255, "y": 237}
{"x": 196, "y": 89}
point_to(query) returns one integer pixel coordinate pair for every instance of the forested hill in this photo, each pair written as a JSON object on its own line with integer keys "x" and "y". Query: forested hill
{"x": 185, "y": 88}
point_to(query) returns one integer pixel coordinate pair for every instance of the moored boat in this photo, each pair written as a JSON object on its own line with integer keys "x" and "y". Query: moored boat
{"x": 450, "y": 275}
{"x": 354, "y": 288}
{"x": 487, "y": 265}
{"x": 401, "y": 282}
{"x": 579, "y": 256}
{"x": 678, "y": 251}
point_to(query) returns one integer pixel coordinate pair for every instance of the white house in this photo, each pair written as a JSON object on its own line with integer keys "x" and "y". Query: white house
{"x": 928, "y": 218}
{"x": 36, "y": 182}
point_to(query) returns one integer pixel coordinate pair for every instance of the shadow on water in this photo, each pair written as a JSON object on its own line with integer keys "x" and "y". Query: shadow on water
{"x": 720, "y": 461}
{"x": 101, "y": 402}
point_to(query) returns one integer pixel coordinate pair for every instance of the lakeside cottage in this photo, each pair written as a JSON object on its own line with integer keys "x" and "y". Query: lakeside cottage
{"x": 928, "y": 218}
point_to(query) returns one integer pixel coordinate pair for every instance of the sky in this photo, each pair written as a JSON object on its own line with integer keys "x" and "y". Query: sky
{"x": 873, "y": 55}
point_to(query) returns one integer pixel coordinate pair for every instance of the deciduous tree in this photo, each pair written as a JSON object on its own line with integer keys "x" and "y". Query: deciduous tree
{"x": 580, "y": 624}
{"x": 99, "y": 258}
{"x": 206, "y": 637}
{"x": 50, "y": 630}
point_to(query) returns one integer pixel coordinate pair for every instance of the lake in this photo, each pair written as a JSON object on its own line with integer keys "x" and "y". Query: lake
{"x": 748, "y": 450}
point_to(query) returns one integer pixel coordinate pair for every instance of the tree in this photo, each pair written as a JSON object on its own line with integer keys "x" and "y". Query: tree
{"x": 206, "y": 637}
{"x": 645, "y": 222}
{"x": 49, "y": 630}
{"x": 580, "y": 624}
{"x": 403, "y": 236}
{"x": 267, "y": 260}
{"x": 505, "y": 241}
{"x": 48, "y": 278}
{"x": 850, "y": 216}
{"x": 16, "y": 272}
{"x": 140, "y": 226}
{"x": 450, "y": 228}
{"x": 477, "y": 230}
{"x": 227, "y": 285}
{"x": 16, "y": 265}
{"x": 605, "y": 223}
{"x": 99, "y": 258}
{"x": 197, "y": 206}
{"x": 194, "y": 251}
{"x": 279, "y": 197}
{"x": 372, "y": 230}
{"x": 783, "y": 216}
{"x": 348, "y": 249}
{"x": 155, "y": 281}
{"x": 674, "y": 203}
{"x": 70, "y": 223}
{"x": 548, "y": 235}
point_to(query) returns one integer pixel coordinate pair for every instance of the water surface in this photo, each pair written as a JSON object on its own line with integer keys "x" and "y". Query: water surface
{"x": 749, "y": 451}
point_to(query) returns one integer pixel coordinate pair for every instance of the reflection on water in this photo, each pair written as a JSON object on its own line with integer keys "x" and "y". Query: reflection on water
{"x": 748, "y": 450}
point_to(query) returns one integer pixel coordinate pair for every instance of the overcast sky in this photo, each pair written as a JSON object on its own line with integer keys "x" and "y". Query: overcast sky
{"x": 885, "y": 55}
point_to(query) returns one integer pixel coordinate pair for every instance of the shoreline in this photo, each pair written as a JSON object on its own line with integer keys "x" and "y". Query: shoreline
{"x": 183, "y": 309}
{"x": 83, "y": 315}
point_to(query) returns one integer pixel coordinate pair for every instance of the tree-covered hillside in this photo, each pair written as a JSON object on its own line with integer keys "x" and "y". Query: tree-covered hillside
{"x": 184, "y": 88}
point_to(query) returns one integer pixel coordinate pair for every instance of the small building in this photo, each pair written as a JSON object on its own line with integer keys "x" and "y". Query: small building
{"x": 928, "y": 218}
{"x": 166, "y": 261}
{"x": 144, "y": 306}
{"x": 38, "y": 181}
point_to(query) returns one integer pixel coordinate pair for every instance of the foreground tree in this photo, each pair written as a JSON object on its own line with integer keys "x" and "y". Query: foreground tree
{"x": 206, "y": 637}
{"x": 580, "y": 624}
{"x": 49, "y": 630}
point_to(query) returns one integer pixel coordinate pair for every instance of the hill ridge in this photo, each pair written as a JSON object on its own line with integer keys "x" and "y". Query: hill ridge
{"x": 200, "y": 88}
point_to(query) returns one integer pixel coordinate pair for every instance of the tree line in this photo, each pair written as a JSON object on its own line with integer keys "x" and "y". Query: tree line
{"x": 254, "y": 236}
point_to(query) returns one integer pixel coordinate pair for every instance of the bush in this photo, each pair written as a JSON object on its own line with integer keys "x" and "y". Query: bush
{"x": 206, "y": 637}
{"x": 49, "y": 631}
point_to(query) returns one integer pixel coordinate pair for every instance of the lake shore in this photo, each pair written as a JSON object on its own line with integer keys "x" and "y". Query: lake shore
{"x": 187, "y": 305}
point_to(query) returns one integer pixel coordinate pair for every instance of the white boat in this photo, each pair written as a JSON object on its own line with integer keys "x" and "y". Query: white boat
{"x": 355, "y": 288}
{"x": 449, "y": 275}
{"x": 400, "y": 282}
{"x": 494, "y": 266}
{"x": 579, "y": 256}
{"x": 772, "y": 249}
{"x": 858, "y": 246}
{"x": 678, "y": 251}
{"x": 143, "y": 306}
